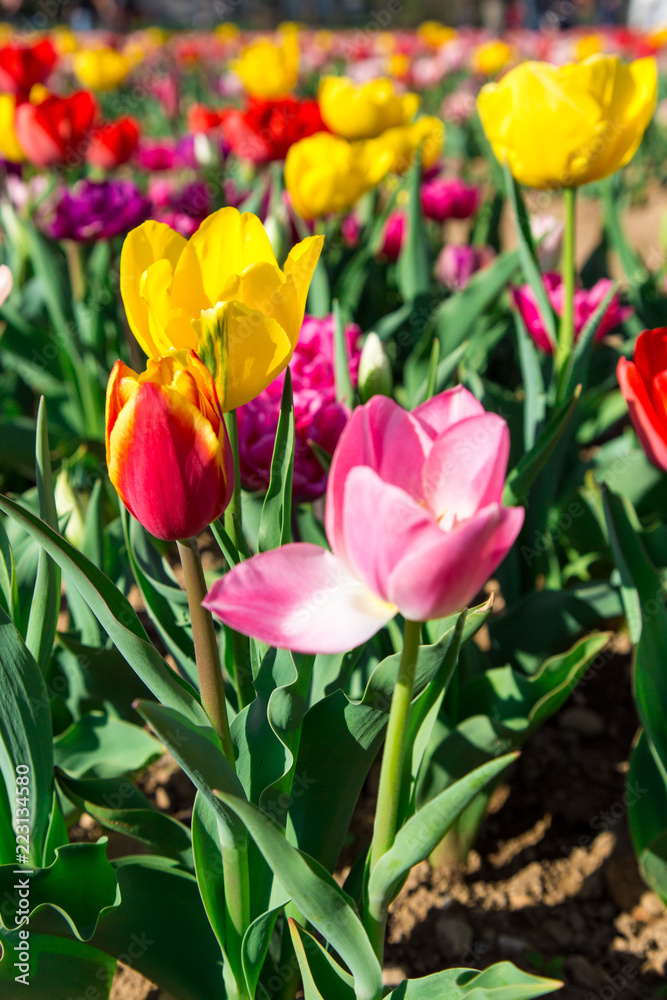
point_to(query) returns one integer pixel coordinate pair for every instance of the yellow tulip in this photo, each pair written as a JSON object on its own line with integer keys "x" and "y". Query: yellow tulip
{"x": 220, "y": 293}
{"x": 363, "y": 111}
{"x": 490, "y": 57}
{"x": 435, "y": 34}
{"x": 227, "y": 31}
{"x": 269, "y": 70}
{"x": 64, "y": 40}
{"x": 9, "y": 145}
{"x": 588, "y": 45}
{"x": 568, "y": 125}
{"x": 403, "y": 142}
{"x": 325, "y": 173}
{"x": 100, "y": 69}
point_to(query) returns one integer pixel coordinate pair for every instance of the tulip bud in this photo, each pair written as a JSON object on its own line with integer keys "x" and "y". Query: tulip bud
{"x": 168, "y": 452}
{"x": 205, "y": 154}
{"x": 69, "y": 504}
{"x": 375, "y": 375}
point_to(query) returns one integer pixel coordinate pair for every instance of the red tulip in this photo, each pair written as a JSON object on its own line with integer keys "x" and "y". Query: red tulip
{"x": 203, "y": 119}
{"x": 113, "y": 143}
{"x": 168, "y": 452}
{"x": 266, "y": 129}
{"x": 644, "y": 385}
{"x": 58, "y": 130}
{"x": 22, "y": 66}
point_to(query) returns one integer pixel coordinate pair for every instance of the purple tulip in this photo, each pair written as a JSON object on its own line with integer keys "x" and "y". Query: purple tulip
{"x": 184, "y": 209}
{"x": 96, "y": 210}
{"x": 318, "y": 415}
{"x": 449, "y": 198}
{"x": 456, "y": 265}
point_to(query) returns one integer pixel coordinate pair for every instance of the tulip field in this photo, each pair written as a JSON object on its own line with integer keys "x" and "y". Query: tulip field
{"x": 333, "y": 513}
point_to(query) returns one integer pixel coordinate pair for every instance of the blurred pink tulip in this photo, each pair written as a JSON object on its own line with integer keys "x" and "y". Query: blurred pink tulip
{"x": 586, "y": 301}
{"x": 392, "y": 236}
{"x": 415, "y": 520}
{"x": 6, "y": 283}
{"x": 449, "y": 198}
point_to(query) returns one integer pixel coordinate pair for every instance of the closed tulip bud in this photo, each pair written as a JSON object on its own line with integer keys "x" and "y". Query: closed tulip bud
{"x": 101, "y": 69}
{"x": 375, "y": 376}
{"x": 168, "y": 452}
{"x": 269, "y": 70}
{"x": 364, "y": 110}
{"x": 563, "y": 126}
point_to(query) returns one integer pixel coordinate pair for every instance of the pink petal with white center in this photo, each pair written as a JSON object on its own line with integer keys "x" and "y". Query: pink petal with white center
{"x": 440, "y": 579}
{"x": 446, "y": 409}
{"x": 298, "y": 597}
{"x": 465, "y": 470}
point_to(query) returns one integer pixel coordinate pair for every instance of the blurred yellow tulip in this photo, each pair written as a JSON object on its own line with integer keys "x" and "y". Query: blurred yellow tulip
{"x": 325, "y": 173}
{"x": 490, "y": 57}
{"x": 568, "y": 125}
{"x": 588, "y": 45}
{"x": 268, "y": 70}
{"x": 436, "y": 34}
{"x": 64, "y": 40}
{"x": 221, "y": 294}
{"x": 364, "y": 110}
{"x": 403, "y": 142}
{"x": 100, "y": 69}
{"x": 9, "y": 145}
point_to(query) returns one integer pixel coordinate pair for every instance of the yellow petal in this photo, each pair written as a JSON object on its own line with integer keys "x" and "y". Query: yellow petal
{"x": 224, "y": 245}
{"x": 300, "y": 267}
{"x": 243, "y": 349}
{"x": 143, "y": 246}
{"x": 167, "y": 327}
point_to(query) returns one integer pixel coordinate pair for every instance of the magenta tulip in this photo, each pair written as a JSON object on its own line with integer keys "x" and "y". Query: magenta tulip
{"x": 416, "y": 524}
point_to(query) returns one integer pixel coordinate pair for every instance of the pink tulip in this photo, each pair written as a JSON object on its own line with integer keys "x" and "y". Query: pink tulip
{"x": 392, "y": 236}
{"x": 415, "y": 521}
{"x": 449, "y": 198}
{"x": 586, "y": 301}
{"x": 6, "y": 283}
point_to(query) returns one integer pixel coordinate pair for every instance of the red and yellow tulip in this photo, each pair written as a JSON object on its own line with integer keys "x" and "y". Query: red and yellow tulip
{"x": 168, "y": 452}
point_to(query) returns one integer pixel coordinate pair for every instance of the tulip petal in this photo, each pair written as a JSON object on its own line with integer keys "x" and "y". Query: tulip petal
{"x": 225, "y": 244}
{"x": 651, "y": 426}
{"x": 441, "y": 412}
{"x": 144, "y": 246}
{"x": 381, "y": 523}
{"x": 438, "y": 580}
{"x": 298, "y": 597}
{"x": 167, "y": 464}
{"x": 243, "y": 349}
{"x": 300, "y": 266}
{"x": 385, "y": 437}
{"x": 465, "y": 469}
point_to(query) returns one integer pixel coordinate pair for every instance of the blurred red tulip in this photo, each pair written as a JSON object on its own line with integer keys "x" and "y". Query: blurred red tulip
{"x": 58, "y": 130}
{"x": 22, "y": 66}
{"x": 266, "y": 129}
{"x": 113, "y": 143}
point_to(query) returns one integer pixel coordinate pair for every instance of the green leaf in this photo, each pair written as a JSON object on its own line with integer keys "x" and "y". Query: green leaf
{"x": 256, "y": 941}
{"x": 343, "y": 380}
{"x": 60, "y": 886}
{"x": 114, "y": 613}
{"x": 25, "y": 735}
{"x": 46, "y": 597}
{"x": 197, "y": 749}
{"x": 8, "y": 588}
{"x": 646, "y": 796}
{"x": 275, "y": 526}
{"x": 317, "y": 966}
{"x": 529, "y": 263}
{"x": 60, "y": 969}
{"x": 502, "y": 981}
{"x": 161, "y": 924}
{"x": 101, "y": 746}
{"x": 526, "y": 471}
{"x": 535, "y": 404}
{"x": 165, "y": 601}
{"x": 636, "y": 569}
{"x": 98, "y": 679}
{"x": 207, "y": 853}
{"x": 117, "y": 805}
{"x": 318, "y": 897}
{"x": 423, "y": 832}
{"x": 413, "y": 270}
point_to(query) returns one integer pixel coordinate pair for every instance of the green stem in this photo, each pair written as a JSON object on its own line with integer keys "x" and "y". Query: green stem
{"x": 77, "y": 274}
{"x": 391, "y": 774}
{"x": 566, "y": 332}
{"x": 211, "y": 686}
{"x": 234, "y": 527}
